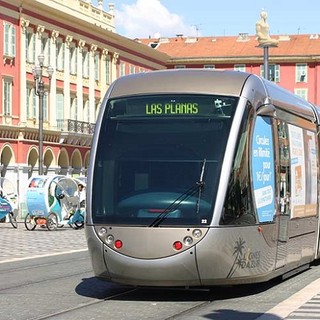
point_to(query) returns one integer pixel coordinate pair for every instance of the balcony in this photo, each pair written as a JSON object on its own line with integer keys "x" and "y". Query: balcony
{"x": 74, "y": 132}
{"x": 75, "y": 126}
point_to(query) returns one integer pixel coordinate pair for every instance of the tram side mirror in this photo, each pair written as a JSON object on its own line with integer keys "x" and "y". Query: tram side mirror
{"x": 266, "y": 110}
{"x": 60, "y": 196}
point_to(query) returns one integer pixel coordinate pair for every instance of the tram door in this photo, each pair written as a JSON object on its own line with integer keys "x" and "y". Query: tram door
{"x": 283, "y": 215}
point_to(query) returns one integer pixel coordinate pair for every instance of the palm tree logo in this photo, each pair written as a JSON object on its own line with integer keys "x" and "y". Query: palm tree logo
{"x": 238, "y": 253}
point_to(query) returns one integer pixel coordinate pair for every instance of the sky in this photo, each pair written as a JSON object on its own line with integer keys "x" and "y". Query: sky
{"x": 167, "y": 18}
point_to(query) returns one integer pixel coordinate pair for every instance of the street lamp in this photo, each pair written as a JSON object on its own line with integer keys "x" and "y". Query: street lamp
{"x": 39, "y": 91}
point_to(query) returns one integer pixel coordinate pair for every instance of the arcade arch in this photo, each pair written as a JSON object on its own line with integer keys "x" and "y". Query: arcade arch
{"x": 63, "y": 161}
{"x": 76, "y": 162}
{"x": 7, "y": 159}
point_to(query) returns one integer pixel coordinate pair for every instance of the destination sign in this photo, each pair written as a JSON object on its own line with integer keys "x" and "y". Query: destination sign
{"x": 181, "y": 105}
{"x": 172, "y": 108}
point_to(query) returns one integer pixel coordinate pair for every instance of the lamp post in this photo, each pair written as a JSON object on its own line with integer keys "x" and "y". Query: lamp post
{"x": 40, "y": 92}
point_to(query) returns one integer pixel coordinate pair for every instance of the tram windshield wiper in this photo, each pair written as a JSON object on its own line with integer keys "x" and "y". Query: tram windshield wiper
{"x": 177, "y": 202}
{"x": 201, "y": 184}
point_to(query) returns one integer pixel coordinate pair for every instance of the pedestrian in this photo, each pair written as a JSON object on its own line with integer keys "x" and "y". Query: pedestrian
{"x": 81, "y": 194}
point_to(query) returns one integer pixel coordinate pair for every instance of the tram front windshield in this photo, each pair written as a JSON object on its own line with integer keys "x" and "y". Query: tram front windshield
{"x": 158, "y": 159}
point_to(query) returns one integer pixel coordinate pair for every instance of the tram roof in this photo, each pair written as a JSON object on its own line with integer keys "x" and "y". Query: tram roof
{"x": 201, "y": 81}
{"x": 208, "y": 81}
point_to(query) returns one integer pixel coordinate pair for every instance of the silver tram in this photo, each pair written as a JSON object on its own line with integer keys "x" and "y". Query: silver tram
{"x": 200, "y": 178}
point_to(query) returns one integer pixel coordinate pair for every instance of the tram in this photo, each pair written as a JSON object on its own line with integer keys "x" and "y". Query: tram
{"x": 202, "y": 178}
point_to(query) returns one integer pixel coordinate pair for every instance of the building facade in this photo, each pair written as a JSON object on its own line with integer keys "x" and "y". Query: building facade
{"x": 77, "y": 40}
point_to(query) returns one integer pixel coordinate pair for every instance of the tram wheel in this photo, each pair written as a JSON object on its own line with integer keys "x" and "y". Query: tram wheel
{"x": 13, "y": 220}
{"x": 52, "y": 222}
{"x": 29, "y": 222}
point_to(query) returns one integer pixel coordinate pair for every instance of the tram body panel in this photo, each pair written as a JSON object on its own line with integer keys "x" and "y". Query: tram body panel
{"x": 96, "y": 251}
{"x": 151, "y": 243}
{"x": 177, "y": 269}
{"x": 223, "y": 255}
{"x": 301, "y": 243}
{"x": 231, "y": 253}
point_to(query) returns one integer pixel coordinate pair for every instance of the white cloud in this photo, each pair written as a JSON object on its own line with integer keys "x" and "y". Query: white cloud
{"x": 147, "y": 18}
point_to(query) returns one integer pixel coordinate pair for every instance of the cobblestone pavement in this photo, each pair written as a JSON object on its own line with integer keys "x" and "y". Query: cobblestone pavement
{"x": 21, "y": 243}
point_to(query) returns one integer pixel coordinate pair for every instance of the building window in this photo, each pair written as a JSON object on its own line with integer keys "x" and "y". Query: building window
{"x": 59, "y": 109}
{"x": 240, "y": 67}
{"x": 122, "y": 69}
{"x": 86, "y": 110}
{"x": 301, "y": 72}
{"x": 60, "y": 54}
{"x": 85, "y": 63}
{"x": 274, "y": 72}
{"x": 7, "y": 97}
{"x": 302, "y": 93}
{"x": 45, "y": 49}
{"x": 45, "y": 106}
{"x": 181, "y": 66}
{"x": 31, "y": 103}
{"x": 209, "y": 66}
{"x": 30, "y": 46}
{"x": 96, "y": 66}
{"x": 34, "y": 103}
{"x": 74, "y": 108}
{"x": 108, "y": 71}
{"x": 28, "y": 104}
{"x": 9, "y": 43}
{"x": 97, "y": 108}
{"x": 73, "y": 59}
{"x": 132, "y": 69}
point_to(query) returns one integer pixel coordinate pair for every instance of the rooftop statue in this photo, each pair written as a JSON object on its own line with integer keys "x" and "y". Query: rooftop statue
{"x": 262, "y": 31}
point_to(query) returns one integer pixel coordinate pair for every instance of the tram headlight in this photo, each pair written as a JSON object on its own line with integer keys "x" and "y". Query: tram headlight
{"x": 109, "y": 239}
{"x": 102, "y": 232}
{"x": 188, "y": 240}
{"x": 196, "y": 233}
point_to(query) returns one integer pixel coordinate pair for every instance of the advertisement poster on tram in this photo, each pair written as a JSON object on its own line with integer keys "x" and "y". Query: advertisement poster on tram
{"x": 303, "y": 172}
{"x": 298, "y": 176}
{"x": 263, "y": 169}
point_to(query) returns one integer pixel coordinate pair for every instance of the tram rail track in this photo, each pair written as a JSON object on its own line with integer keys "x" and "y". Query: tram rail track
{"x": 84, "y": 305}
{"x": 70, "y": 294}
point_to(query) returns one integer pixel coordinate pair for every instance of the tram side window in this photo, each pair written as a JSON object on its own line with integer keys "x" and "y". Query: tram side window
{"x": 238, "y": 207}
{"x": 284, "y": 157}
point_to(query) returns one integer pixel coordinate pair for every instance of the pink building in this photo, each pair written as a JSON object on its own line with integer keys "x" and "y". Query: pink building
{"x": 294, "y": 64}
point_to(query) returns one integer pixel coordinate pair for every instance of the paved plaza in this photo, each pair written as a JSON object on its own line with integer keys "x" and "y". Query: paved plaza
{"x": 20, "y": 243}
